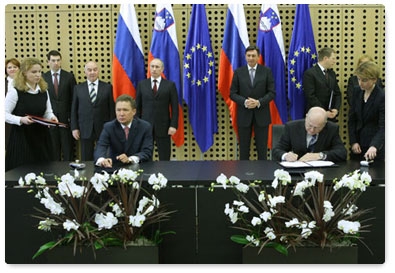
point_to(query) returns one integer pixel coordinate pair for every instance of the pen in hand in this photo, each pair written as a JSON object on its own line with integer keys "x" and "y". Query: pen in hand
{"x": 291, "y": 156}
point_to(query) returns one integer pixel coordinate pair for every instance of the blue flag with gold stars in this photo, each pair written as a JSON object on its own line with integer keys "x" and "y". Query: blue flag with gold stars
{"x": 302, "y": 55}
{"x": 199, "y": 79}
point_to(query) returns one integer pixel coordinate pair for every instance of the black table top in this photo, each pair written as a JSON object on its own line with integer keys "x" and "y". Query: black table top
{"x": 201, "y": 172}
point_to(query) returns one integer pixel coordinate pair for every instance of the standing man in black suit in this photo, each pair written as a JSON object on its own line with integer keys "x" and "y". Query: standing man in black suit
{"x": 60, "y": 89}
{"x": 320, "y": 84}
{"x": 312, "y": 138}
{"x": 92, "y": 106}
{"x": 157, "y": 103}
{"x": 252, "y": 89}
{"x": 126, "y": 139}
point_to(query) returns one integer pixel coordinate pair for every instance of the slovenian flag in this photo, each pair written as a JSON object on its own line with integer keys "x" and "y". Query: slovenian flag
{"x": 232, "y": 55}
{"x": 128, "y": 66}
{"x": 270, "y": 43}
{"x": 165, "y": 47}
{"x": 199, "y": 79}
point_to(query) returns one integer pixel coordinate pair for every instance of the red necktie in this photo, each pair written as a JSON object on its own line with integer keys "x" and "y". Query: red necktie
{"x": 155, "y": 88}
{"x": 326, "y": 74}
{"x": 126, "y": 129}
{"x": 55, "y": 83}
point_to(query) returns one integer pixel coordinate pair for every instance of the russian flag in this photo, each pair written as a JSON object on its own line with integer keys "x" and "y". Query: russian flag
{"x": 271, "y": 44}
{"x": 128, "y": 66}
{"x": 165, "y": 47}
{"x": 232, "y": 55}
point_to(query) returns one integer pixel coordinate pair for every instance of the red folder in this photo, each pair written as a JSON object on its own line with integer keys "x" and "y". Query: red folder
{"x": 47, "y": 122}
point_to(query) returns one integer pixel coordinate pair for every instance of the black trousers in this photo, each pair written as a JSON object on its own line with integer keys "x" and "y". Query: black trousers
{"x": 164, "y": 147}
{"x": 245, "y": 134}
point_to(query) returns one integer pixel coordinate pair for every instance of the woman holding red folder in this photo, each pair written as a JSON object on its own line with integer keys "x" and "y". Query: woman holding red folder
{"x": 29, "y": 141}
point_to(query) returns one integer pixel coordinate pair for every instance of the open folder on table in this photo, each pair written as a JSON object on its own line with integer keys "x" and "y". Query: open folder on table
{"x": 308, "y": 164}
{"x": 48, "y": 122}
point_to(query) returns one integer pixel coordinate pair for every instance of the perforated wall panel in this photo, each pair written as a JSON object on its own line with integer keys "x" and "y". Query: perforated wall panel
{"x": 87, "y": 32}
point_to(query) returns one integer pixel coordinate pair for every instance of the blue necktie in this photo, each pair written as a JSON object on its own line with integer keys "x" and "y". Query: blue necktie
{"x": 312, "y": 142}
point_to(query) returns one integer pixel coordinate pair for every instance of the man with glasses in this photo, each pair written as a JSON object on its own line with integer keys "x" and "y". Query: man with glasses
{"x": 312, "y": 138}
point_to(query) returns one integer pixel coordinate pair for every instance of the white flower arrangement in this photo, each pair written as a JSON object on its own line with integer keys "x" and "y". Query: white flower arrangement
{"x": 105, "y": 210}
{"x": 308, "y": 213}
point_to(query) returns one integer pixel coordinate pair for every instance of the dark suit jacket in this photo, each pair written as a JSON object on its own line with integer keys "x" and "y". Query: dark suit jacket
{"x": 112, "y": 141}
{"x": 317, "y": 89}
{"x": 294, "y": 139}
{"x": 160, "y": 110}
{"x": 366, "y": 121}
{"x": 87, "y": 117}
{"x": 353, "y": 84}
{"x": 61, "y": 104}
{"x": 262, "y": 89}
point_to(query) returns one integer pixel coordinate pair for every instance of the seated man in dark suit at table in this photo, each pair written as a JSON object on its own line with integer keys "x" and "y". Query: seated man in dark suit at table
{"x": 312, "y": 138}
{"x": 126, "y": 139}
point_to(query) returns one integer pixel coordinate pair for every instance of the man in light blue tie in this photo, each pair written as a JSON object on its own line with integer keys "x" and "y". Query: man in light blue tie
{"x": 312, "y": 138}
{"x": 252, "y": 90}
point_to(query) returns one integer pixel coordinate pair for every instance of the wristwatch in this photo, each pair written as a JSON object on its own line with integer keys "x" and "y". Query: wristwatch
{"x": 322, "y": 156}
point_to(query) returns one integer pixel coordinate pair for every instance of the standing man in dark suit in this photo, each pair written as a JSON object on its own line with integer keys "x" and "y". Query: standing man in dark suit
{"x": 252, "y": 89}
{"x": 157, "y": 103}
{"x": 92, "y": 106}
{"x": 60, "y": 89}
{"x": 126, "y": 139}
{"x": 366, "y": 119}
{"x": 312, "y": 138}
{"x": 320, "y": 84}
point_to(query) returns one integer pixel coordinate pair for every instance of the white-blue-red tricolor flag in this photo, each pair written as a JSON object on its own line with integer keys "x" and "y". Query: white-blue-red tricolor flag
{"x": 128, "y": 66}
{"x": 270, "y": 43}
{"x": 199, "y": 79}
{"x": 232, "y": 55}
{"x": 302, "y": 55}
{"x": 165, "y": 47}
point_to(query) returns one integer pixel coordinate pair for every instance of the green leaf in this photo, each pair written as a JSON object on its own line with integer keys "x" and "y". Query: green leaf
{"x": 43, "y": 248}
{"x": 158, "y": 237}
{"x": 279, "y": 247}
{"x": 240, "y": 239}
{"x": 107, "y": 241}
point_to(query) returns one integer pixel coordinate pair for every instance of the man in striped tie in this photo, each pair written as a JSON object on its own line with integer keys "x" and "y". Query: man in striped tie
{"x": 92, "y": 106}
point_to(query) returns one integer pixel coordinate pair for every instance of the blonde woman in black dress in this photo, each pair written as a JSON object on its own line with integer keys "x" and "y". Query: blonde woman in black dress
{"x": 29, "y": 141}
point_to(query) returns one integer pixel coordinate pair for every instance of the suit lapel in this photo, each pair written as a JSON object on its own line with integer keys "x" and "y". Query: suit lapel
{"x": 99, "y": 94}
{"x": 247, "y": 75}
{"x": 321, "y": 75}
{"x": 369, "y": 104}
{"x": 320, "y": 139}
{"x": 148, "y": 86}
{"x": 132, "y": 134}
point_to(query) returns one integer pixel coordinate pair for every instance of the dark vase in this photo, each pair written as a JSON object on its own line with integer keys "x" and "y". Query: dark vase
{"x": 302, "y": 255}
{"x": 110, "y": 255}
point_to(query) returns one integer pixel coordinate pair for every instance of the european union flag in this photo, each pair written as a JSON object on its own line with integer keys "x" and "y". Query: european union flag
{"x": 199, "y": 79}
{"x": 302, "y": 55}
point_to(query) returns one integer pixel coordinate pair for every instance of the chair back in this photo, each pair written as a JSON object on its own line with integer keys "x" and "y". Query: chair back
{"x": 277, "y": 131}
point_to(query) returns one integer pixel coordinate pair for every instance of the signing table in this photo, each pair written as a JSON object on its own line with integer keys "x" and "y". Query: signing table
{"x": 202, "y": 229}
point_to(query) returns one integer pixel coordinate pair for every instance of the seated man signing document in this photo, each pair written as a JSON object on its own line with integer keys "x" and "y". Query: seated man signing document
{"x": 126, "y": 139}
{"x": 310, "y": 139}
